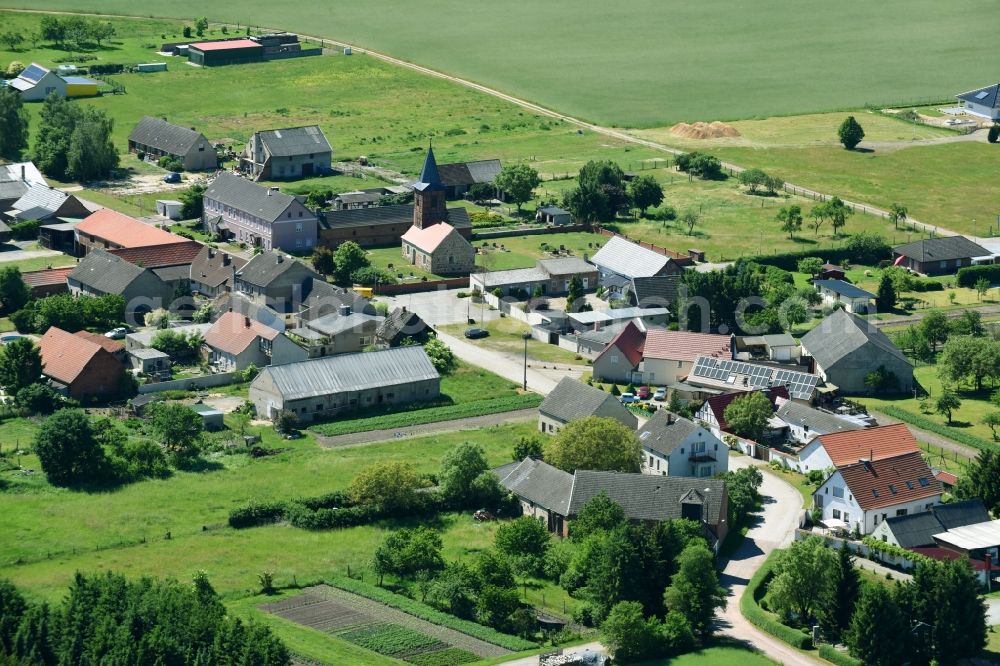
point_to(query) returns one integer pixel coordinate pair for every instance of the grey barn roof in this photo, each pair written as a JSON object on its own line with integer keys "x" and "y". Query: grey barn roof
{"x": 165, "y": 136}
{"x": 840, "y": 334}
{"x": 350, "y": 372}
{"x": 13, "y": 189}
{"x": 816, "y": 421}
{"x": 648, "y": 497}
{"x": 247, "y": 196}
{"x": 469, "y": 173}
{"x": 39, "y": 202}
{"x": 401, "y": 322}
{"x": 918, "y": 529}
{"x": 538, "y": 482}
{"x": 264, "y": 268}
{"x": 845, "y": 289}
{"x": 291, "y": 141}
{"x": 662, "y": 437}
{"x": 334, "y": 323}
{"x": 566, "y": 266}
{"x": 656, "y": 290}
{"x": 629, "y": 259}
{"x": 400, "y": 214}
{"x": 572, "y": 399}
{"x": 105, "y": 272}
{"x": 945, "y": 248}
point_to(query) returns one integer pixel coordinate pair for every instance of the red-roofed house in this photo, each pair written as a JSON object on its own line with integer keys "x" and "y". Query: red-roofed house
{"x": 863, "y": 493}
{"x": 713, "y": 412}
{"x": 620, "y": 360}
{"x": 439, "y": 248}
{"x": 47, "y": 282}
{"x": 668, "y": 356}
{"x": 113, "y": 347}
{"x": 110, "y": 230}
{"x": 81, "y": 367}
{"x": 844, "y": 448}
{"x": 236, "y": 341}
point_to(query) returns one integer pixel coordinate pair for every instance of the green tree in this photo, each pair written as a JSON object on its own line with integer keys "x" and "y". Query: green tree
{"x": 818, "y": 215}
{"x": 517, "y": 182}
{"x": 12, "y": 39}
{"x": 810, "y": 265}
{"x": 524, "y": 541}
{"x": 897, "y": 214}
{"x": 982, "y": 286}
{"x": 964, "y": 357}
{"x": 629, "y": 635}
{"x": 595, "y": 443}
{"x": 57, "y": 119}
{"x": 12, "y": 608}
{"x": 599, "y": 194}
{"x": 839, "y": 607}
{"x": 946, "y": 404}
{"x": 886, "y": 297}
{"x": 440, "y": 354}
{"x": 747, "y": 415}
{"x": 994, "y": 133}
{"x": 496, "y": 605}
{"x": 992, "y": 421}
{"x": 178, "y": 427}
{"x": 600, "y": 513}
{"x": 754, "y": 179}
{"x": 694, "y": 590}
{"x": 528, "y": 447}
{"x": 67, "y": 449}
{"x": 790, "y": 218}
{"x": 347, "y": 258}
{"x": 14, "y": 120}
{"x": 52, "y": 29}
{"x": 881, "y": 380}
{"x": 690, "y": 218}
{"x": 92, "y": 154}
{"x": 455, "y": 589}
{"x": 934, "y": 327}
{"x": 877, "y": 617}
{"x": 464, "y": 475}
{"x": 409, "y": 552}
{"x": 575, "y": 291}
{"x": 645, "y": 191}
{"x": 20, "y": 365}
{"x": 743, "y": 487}
{"x": 200, "y": 26}
{"x": 389, "y": 486}
{"x": 850, "y": 133}
{"x": 192, "y": 202}
{"x": 322, "y": 260}
{"x": 803, "y": 579}
{"x": 838, "y": 212}
{"x": 982, "y": 479}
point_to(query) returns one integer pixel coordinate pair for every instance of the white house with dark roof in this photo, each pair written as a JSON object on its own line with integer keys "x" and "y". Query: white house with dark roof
{"x": 838, "y": 292}
{"x": 918, "y": 530}
{"x": 982, "y": 102}
{"x": 246, "y": 212}
{"x": 806, "y": 423}
{"x": 675, "y": 446}
{"x": 35, "y": 83}
{"x": 156, "y": 138}
{"x": 290, "y": 152}
{"x": 572, "y": 399}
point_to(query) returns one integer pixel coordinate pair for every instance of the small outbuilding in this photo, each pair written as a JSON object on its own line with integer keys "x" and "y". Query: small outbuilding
{"x": 169, "y": 208}
{"x": 227, "y": 52}
{"x": 211, "y": 418}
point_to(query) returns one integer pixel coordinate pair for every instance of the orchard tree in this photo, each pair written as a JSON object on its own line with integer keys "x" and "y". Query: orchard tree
{"x": 464, "y": 475}
{"x": 850, "y": 133}
{"x": 178, "y": 427}
{"x": 67, "y": 448}
{"x": 20, "y": 365}
{"x": 934, "y": 327}
{"x": 753, "y": 179}
{"x": 517, "y": 182}
{"x": 747, "y": 415}
{"x": 690, "y": 218}
{"x": 838, "y": 212}
{"x": 790, "y": 218}
{"x": 12, "y": 39}
{"x": 14, "y": 120}
{"x": 946, "y": 404}
{"x": 982, "y": 286}
{"x": 646, "y": 192}
{"x": 389, "y": 486}
{"x": 595, "y": 443}
{"x": 818, "y": 215}
{"x": 897, "y": 214}
{"x": 525, "y": 541}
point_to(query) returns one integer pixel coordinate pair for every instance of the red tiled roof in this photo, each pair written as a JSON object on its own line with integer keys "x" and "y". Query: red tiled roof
{"x": 220, "y": 46}
{"x": 125, "y": 231}
{"x": 233, "y": 332}
{"x": 718, "y": 403}
{"x": 109, "y": 345}
{"x": 946, "y": 478}
{"x": 684, "y": 345}
{"x": 46, "y": 277}
{"x": 428, "y": 238}
{"x": 890, "y": 481}
{"x": 630, "y": 342}
{"x": 64, "y": 355}
{"x": 158, "y": 256}
{"x": 846, "y": 448}
{"x": 945, "y": 554}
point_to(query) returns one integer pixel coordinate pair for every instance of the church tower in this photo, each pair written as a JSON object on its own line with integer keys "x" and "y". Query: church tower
{"x": 429, "y": 205}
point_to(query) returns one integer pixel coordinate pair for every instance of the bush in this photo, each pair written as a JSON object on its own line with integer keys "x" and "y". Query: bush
{"x": 27, "y": 230}
{"x": 170, "y": 164}
{"x": 968, "y": 276}
{"x": 256, "y": 514}
{"x": 755, "y": 615}
{"x": 835, "y": 656}
{"x": 435, "y": 616}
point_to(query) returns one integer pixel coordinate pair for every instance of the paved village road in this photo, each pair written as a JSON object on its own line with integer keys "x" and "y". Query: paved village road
{"x": 774, "y": 529}
{"x": 499, "y": 364}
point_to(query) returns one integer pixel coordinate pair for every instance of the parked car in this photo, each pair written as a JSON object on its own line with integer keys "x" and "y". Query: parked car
{"x": 117, "y": 333}
{"x": 643, "y": 393}
{"x": 628, "y": 398}
{"x": 660, "y": 395}
{"x": 172, "y": 177}
{"x": 476, "y": 333}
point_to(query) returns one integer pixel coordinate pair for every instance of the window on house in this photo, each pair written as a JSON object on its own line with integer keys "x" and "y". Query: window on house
{"x": 298, "y": 226}
{"x": 836, "y": 514}
{"x": 847, "y": 517}
{"x": 838, "y": 491}
{"x": 892, "y": 489}
{"x": 900, "y": 512}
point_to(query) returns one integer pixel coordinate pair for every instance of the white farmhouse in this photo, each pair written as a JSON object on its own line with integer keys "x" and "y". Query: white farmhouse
{"x": 674, "y": 446}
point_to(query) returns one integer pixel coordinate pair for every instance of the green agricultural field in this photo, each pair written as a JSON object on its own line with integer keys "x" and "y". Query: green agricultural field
{"x": 658, "y": 61}
{"x": 47, "y": 533}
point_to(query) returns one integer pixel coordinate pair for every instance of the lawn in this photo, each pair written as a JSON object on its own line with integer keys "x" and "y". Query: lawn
{"x": 505, "y": 336}
{"x": 701, "y": 61}
{"x": 718, "y": 655}
{"x": 46, "y": 533}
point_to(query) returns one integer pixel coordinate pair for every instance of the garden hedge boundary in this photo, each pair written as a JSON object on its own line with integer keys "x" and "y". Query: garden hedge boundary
{"x": 835, "y": 656}
{"x": 425, "y": 612}
{"x": 789, "y": 261}
{"x": 966, "y": 277}
{"x": 936, "y": 428}
{"x": 326, "y": 512}
{"x": 758, "y": 617}
{"x": 415, "y": 417}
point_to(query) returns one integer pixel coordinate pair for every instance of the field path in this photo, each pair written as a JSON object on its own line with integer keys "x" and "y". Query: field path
{"x": 619, "y": 134}
{"x": 406, "y": 432}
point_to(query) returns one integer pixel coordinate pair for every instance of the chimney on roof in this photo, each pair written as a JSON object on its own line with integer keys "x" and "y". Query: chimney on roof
{"x": 225, "y": 260}
{"x": 670, "y": 418}
{"x": 269, "y": 191}
{"x": 345, "y": 310}
{"x": 404, "y": 308}
{"x": 246, "y": 321}
{"x": 281, "y": 258}
{"x": 23, "y": 177}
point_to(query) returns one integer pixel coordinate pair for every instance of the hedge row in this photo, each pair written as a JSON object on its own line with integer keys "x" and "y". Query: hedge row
{"x": 968, "y": 276}
{"x": 789, "y": 261}
{"x": 425, "y": 612}
{"x": 835, "y": 656}
{"x": 927, "y": 424}
{"x": 331, "y": 511}
{"x": 763, "y": 620}
{"x": 406, "y": 419}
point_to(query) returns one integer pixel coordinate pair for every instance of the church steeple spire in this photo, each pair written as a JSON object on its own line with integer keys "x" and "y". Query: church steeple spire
{"x": 429, "y": 174}
{"x": 429, "y": 206}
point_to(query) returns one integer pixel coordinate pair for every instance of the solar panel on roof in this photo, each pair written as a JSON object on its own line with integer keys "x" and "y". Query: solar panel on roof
{"x": 33, "y": 73}
{"x": 982, "y": 94}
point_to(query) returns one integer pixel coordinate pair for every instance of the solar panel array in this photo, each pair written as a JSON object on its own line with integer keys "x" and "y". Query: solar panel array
{"x": 748, "y": 375}
{"x": 33, "y": 73}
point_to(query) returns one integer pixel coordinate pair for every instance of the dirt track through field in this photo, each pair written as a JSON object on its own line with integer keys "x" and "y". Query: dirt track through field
{"x": 406, "y": 432}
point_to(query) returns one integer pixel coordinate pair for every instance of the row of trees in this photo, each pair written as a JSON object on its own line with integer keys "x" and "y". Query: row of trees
{"x": 601, "y": 193}
{"x": 79, "y": 31}
{"x": 107, "y": 618}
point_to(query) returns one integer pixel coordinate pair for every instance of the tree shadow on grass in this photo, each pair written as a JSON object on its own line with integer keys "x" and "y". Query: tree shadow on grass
{"x": 801, "y": 240}
{"x": 959, "y": 424}
{"x": 201, "y": 465}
